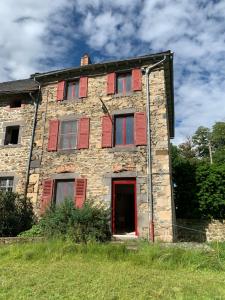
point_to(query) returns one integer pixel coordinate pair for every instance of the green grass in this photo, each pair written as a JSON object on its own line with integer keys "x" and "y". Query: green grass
{"x": 63, "y": 270}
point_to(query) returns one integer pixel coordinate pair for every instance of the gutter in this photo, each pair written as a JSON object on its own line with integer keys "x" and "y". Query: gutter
{"x": 106, "y": 64}
{"x": 36, "y": 100}
{"x": 150, "y": 199}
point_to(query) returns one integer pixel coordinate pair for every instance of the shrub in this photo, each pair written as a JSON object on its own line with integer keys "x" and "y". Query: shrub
{"x": 16, "y": 214}
{"x": 89, "y": 223}
{"x": 35, "y": 230}
{"x": 211, "y": 190}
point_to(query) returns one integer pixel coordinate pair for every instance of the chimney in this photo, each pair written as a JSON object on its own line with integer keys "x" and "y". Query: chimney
{"x": 85, "y": 60}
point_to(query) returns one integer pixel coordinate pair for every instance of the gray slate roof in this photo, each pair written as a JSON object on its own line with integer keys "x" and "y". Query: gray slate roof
{"x": 18, "y": 86}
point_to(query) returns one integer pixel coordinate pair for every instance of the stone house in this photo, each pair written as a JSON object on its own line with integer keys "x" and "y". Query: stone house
{"x": 93, "y": 126}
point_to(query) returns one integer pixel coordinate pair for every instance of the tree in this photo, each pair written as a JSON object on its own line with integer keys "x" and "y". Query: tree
{"x": 184, "y": 184}
{"x": 211, "y": 190}
{"x": 218, "y": 142}
{"x": 199, "y": 188}
{"x": 187, "y": 149}
{"x": 201, "y": 140}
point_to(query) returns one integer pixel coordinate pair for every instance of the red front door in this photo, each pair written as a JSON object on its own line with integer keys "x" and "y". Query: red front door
{"x": 124, "y": 210}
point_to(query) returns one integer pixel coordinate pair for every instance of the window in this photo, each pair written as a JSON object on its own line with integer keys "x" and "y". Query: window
{"x": 129, "y": 129}
{"x": 64, "y": 190}
{"x": 123, "y": 83}
{"x": 73, "y": 90}
{"x": 11, "y": 135}
{"x": 15, "y": 104}
{"x": 6, "y": 184}
{"x": 124, "y": 130}
{"x": 68, "y": 135}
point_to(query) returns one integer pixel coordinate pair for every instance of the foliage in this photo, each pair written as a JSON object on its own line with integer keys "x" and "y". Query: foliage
{"x": 218, "y": 135}
{"x": 16, "y": 213}
{"x": 211, "y": 190}
{"x": 185, "y": 188}
{"x": 187, "y": 149}
{"x": 201, "y": 140}
{"x": 199, "y": 186}
{"x": 90, "y": 222}
{"x": 35, "y": 230}
{"x": 59, "y": 269}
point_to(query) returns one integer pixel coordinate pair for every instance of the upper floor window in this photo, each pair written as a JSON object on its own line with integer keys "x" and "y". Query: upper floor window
{"x": 124, "y": 130}
{"x": 123, "y": 83}
{"x": 6, "y": 184}
{"x": 119, "y": 130}
{"x": 72, "y": 90}
{"x": 68, "y": 135}
{"x": 11, "y": 135}
{"x": 75, "y": 89}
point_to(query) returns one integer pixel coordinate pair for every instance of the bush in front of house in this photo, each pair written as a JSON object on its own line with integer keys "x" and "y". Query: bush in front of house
{"x": 89, "y": 223}
{"x": 16, "y": 214}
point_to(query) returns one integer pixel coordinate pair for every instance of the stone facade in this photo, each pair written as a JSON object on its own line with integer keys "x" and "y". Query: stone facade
{"x": 100, "y": 166}
{"x": 14, "y": 158}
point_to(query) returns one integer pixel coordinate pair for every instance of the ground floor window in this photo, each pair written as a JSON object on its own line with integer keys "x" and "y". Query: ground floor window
{"x": 6, "y": 184}
{"x": 64, "y": 189}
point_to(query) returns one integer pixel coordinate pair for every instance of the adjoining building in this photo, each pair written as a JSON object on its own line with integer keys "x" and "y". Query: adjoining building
{"x": 84, "y": 132}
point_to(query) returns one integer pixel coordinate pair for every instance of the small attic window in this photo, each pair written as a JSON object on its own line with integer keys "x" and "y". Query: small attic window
{"x": 15, "y": 103}
{"x": 12, "y": 135}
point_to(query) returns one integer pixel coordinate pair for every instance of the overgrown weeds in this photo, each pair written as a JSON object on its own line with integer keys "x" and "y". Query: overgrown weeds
{"x": 89, "y": 223}
{"x": 149, "y": 256}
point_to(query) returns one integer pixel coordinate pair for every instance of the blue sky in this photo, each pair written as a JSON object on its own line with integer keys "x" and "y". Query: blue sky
{"x": 41, "y": 35}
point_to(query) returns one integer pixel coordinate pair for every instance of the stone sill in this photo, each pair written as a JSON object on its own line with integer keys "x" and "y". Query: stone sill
{"x": 125, "y": 95}
{"x": 74, "y": 100}
{"x": 68, "y": 151}
{"x": 124, "y": 149}
{"x": 10, "y": 146}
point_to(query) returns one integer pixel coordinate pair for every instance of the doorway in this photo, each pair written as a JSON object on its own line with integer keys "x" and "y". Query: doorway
{"x": 124, "y": 212}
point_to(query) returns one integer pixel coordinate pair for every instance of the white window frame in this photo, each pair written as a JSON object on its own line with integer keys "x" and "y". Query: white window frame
{"x": 7, "y": 187}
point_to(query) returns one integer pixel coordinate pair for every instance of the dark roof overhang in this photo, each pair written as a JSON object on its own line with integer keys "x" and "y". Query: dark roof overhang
{"x": 17, "y": 87}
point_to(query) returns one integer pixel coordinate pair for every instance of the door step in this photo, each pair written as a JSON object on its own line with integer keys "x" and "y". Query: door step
{"x": 124, "y": 237}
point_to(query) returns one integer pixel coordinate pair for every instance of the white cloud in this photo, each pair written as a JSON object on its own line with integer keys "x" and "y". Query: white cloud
{"x": 25, "y": 29}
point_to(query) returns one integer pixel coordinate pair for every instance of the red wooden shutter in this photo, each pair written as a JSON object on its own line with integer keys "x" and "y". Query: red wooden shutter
{"x": 60, "y": 90}
{"x": 136, "y": 79}
{"x": 83, "y": 87}
{"x": 140, "y": 128}
{"x": 46, "y": 194}
{"x": 80, "y": 192}
{"x": 53, "y": 135}
{"x": 111, "y": 83}
{"x": 83, "y": 133}
{"x": 106, "y": 132}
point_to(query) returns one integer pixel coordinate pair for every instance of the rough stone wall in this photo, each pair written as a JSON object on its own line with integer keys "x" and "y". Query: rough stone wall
{"x": 99, "y": 165}
{"x": 200, "y": 230}
{"x": 14, "y": 157}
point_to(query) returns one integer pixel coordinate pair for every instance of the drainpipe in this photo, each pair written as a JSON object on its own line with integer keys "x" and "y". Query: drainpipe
{"x": 150, "y": 199}
{"x": 32, "y": 137}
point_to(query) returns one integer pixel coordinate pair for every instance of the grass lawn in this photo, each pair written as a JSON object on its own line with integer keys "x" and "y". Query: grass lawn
{"x": 62, "y": 270}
